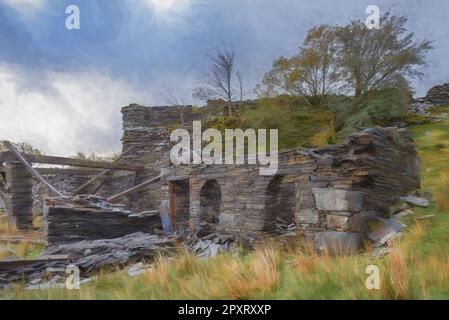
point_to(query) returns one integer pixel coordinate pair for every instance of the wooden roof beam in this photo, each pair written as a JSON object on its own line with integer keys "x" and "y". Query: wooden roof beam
{"x": 9, "y": 156}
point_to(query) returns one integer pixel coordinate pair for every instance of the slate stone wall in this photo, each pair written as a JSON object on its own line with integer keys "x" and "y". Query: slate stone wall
{"x": 337, "y": 190}
{"x": 19, "y": 201}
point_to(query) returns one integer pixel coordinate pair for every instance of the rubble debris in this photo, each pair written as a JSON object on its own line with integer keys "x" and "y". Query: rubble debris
{"x": 88, "y": 256}
{"x": 402, "y": 214}
{"x": 421, "y": 107}
{"x": 416, "y": 201}
{"x": 284, "y": 228}
{"x": 7, "y": 265}
{"x": 403, "y": 207}
{"x": 210, "y": 245}
{"x": 385, "y": 230}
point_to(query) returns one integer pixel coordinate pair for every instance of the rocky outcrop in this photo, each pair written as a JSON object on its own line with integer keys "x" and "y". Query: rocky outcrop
{"x": 439, "y": 95}
{"x": 436, "y": 96}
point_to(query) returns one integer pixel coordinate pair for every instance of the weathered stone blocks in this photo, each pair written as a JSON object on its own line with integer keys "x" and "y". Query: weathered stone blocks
{"x": 330, "y": 199}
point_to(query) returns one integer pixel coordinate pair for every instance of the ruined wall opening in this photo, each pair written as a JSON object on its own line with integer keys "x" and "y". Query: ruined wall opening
{"x": 279, "y": 204}
{"x": 179, "y": 195}
{"x": 210, "y": 206}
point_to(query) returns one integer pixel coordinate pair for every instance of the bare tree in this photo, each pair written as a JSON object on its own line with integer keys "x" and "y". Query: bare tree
{"x": 239, "y": 76}
{"x": 219, "y": 78}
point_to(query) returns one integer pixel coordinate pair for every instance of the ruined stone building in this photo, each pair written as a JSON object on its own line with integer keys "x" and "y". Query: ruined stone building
{"x": 329, "y": 194}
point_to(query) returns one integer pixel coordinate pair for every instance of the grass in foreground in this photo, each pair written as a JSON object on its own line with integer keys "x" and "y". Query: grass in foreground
{"x": 10, "y": 250}
{"x": 417, "y": 267}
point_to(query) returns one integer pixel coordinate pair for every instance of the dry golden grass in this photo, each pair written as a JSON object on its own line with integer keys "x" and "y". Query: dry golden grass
{"x": 398, "y": 284}
{"x": 264, "y": 268}
{"x": 6, "y": 228}
{"x": 441, "y": 192}
{"x": 322, "y": 138}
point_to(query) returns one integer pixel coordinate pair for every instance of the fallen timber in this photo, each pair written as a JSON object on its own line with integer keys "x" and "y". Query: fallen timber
{"x": 101, "y": 174}
{"x": 135, "y": 189}
{"x": 88, "y": 256}
{"x": 33, "y": 158}
{"x": 8, "y": 265}
{"x": 30, "y": 168}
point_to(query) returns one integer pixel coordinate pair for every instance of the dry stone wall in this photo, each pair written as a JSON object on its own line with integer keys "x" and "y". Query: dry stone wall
{"x": 327, "y": 192}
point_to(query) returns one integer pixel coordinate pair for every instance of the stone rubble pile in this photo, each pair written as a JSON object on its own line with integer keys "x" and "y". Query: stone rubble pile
{"x": 384, "y": 231}
{"x": 210, "y": 245}
{"x": 284, "y": 228}
{"x": 89, "y": 256}
{"x": 421, "y": 107}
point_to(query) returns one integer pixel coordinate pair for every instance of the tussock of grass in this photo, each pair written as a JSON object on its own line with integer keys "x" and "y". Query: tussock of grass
{"x": 441, "y": 192}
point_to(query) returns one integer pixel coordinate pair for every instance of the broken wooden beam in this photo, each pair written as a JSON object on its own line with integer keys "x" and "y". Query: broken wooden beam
{"x": 35, "y": 158}
{"x": 135, "y": 189}
{"x": 28, "y": 166}
{"x": 68, "y": 171}
{"x": 90, "y": 181}
{"x": 101, "y": 174}
{"x": 8, "y": 265}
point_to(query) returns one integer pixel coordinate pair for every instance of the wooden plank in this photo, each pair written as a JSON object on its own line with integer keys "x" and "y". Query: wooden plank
{"x": 68, "y": 171}
{"x": 135, "y": 189}
{"x": 34, "y": 158}
{"x": 93, "y": 179}
{"x": 8, "y": 265}
{"x": 30, "y": 168}
{"x": 101, "y": 184}
{"x": 101, "y": 174}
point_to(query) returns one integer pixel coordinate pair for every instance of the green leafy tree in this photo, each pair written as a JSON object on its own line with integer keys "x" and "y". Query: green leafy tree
{"x": 311, "y": 73}
{"x": 373, "y": 59}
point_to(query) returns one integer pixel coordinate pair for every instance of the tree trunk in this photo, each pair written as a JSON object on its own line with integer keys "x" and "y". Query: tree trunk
{"x": 230, "y": 108}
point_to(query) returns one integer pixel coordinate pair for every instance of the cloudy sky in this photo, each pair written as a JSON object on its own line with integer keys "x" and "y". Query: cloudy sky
{"x": 62, "y": 90}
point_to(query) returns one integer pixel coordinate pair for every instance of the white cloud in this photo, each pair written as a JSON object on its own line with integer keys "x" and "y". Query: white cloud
{"x": 166, "y": 12}
{"x": 166, "y": 6}
{"x": 26, "y": 7}
{"x": 65, "y": 112}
